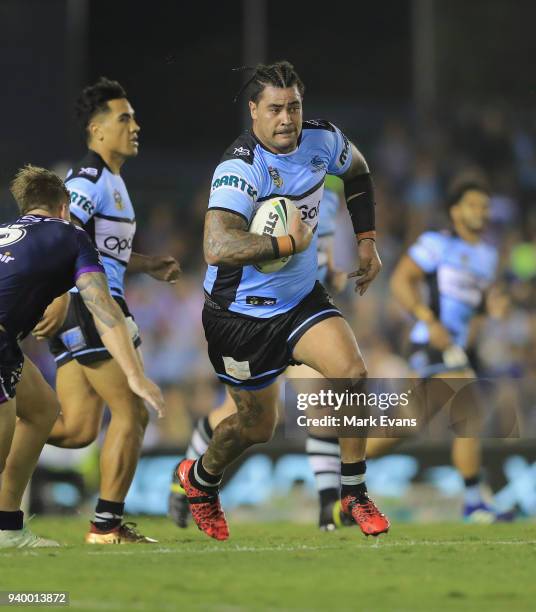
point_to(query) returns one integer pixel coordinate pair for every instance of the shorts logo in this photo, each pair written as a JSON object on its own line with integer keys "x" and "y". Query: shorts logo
{"x": 255, "y": 300}
{"x": 118, "y": 200}
{"x": 237, "y": 369}
{"x": 318, "y": 164}
{"x": 276, "y": 177}
{"x": 88, "y": 171}
{"x": 241, "y": 151}
{"x": 83, "y": 202}
{"x": 234, "y": 181}
{"x": 6, "y": 257}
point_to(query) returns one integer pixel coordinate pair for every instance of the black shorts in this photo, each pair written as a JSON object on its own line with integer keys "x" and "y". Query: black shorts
{"x": 11, "y": 362}
{"x": 250, "y": 352}
{"x": 428, "y": 361}
{"x": 78, "y": 337}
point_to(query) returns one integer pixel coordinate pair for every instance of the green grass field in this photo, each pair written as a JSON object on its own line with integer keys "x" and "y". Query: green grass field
{"x": 282, "y": 566}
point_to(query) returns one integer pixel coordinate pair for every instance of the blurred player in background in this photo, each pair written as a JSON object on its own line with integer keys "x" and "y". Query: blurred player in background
{"x": 457, "y": 268}
{"x": 44, "y": 255}
{"x": 323, "y": 452}
{"x": 258, "y": 324}
{"x": 88, "y": 377}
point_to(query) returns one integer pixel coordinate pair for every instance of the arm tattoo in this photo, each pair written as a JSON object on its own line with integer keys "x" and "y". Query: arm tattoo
{"x": 228, "y": 242}
{"x": 94, "y": 291}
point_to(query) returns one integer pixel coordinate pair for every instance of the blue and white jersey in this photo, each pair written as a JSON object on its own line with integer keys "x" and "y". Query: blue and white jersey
{"x": 326, "y": 230}
{"x": 100, "y": 202}
{"x": 458, "y": 274}
{"x": 248, "y": 175}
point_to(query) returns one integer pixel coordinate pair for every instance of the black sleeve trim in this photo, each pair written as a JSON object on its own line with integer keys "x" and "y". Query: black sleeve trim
{"x": 235, "y": 212}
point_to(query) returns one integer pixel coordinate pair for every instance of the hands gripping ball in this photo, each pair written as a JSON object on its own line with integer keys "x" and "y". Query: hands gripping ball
{"x": 273, "y": 218}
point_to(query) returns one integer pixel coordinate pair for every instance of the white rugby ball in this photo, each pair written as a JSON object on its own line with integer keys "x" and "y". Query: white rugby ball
{"x": 272, "y": 219}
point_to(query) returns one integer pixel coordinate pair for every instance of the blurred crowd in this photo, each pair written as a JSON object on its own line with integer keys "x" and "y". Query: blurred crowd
{"x": 411, "y": 168}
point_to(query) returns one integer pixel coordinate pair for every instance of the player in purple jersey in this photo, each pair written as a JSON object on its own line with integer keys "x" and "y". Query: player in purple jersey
{"x": 44, "y": 255}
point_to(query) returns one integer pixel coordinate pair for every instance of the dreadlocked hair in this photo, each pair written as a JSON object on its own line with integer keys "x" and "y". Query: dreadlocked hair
{"x": 280, "y": 74}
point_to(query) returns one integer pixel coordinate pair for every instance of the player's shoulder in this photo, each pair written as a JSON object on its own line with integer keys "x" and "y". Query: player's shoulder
{"x": 489, "y": 251}
{"x": 436, "y": 236}
{"x": 89, "y": 168}
{"x": 318, "y": 124}
{"x": 242, "y": 150}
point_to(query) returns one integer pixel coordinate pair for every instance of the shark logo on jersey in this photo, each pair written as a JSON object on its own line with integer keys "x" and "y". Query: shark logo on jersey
{"x": 318, "y": 164}
{"x": 242, "y": 151}
{"x": 276, "y": 177}
{"x": 118, "y": 200}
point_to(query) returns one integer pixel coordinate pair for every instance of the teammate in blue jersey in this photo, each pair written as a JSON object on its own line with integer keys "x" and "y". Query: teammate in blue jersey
{"x": 457, "y": 268}
{"x": 44, "y": 255}
{"x": 257, "y": 324}
{"x": 323, "y": 454}
{"x": 87, "y": 376}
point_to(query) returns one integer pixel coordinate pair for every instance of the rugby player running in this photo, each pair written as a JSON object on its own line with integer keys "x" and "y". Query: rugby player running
{"x": 257, "y": 324}
{"x": 458, "y": 267}
{"x": 43, "y": 255}
{"x": 323, "y": 451}
{"x": 88, "y": 377}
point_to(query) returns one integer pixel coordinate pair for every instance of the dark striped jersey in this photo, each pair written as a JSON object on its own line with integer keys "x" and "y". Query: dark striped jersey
{"x": 40, "y": 259}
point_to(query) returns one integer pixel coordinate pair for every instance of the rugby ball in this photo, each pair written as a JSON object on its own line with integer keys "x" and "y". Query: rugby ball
{"x": 272, "y": 219}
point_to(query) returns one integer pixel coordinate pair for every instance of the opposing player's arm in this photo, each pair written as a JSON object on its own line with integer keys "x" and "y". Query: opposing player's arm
{"x": 53, "y": 318}
{"x": 161, "y": 267}
{"x": 110, "y": 323}
{"x": 227, "y": 241}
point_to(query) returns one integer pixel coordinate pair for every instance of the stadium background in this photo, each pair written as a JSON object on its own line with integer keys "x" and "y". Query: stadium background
{"x": 425, "y": 88}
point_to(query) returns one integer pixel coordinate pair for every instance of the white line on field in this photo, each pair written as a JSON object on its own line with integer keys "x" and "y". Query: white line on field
{"x": 372, "y": 543}
{"x": 376, "y": 543}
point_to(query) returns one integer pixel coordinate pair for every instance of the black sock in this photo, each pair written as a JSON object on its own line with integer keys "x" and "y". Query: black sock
{"x": 108, "y": 514}
{"x": 201, "y": 479}
{"x": 353, "y": 479}
{"x": 328, "y": 496}
{"x": 11, "y": 520}
{"x": 471, "y": 482}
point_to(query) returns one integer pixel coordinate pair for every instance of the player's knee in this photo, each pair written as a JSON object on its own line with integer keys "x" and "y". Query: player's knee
{"x": 81, "y": 437}
{"x": 261, "y": 434}
{"x": 356, "y": 372}
{"x": 42, "y": 416}
{"x": 263, "y": 430}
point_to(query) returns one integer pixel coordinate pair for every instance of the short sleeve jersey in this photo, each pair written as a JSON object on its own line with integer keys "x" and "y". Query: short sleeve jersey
{"x": 40, "y": 259}
{"x": 100, "y": 202}
{"x": 458, "y": 274}
{"x": 247, "y": 176}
